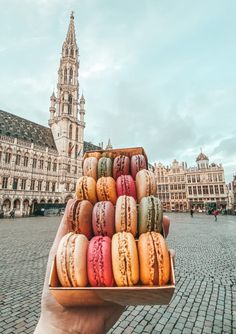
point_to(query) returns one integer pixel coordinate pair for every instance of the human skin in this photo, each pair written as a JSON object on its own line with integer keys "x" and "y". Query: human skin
{"x": 55, "y": 319}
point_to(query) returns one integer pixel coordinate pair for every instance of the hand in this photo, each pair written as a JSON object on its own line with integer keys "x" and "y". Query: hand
{"x": 55, "y": 319}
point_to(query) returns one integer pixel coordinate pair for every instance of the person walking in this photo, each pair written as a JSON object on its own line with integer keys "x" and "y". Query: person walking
{"x": 191, "y": 212}
{"x": 215, "y": 213}
{"x": 12, "y": 213}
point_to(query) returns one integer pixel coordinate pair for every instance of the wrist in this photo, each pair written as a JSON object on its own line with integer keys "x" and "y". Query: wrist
{"x": 45, "y": 326}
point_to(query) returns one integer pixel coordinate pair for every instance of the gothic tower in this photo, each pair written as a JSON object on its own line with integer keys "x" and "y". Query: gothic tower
{"x": 66, "y": 125}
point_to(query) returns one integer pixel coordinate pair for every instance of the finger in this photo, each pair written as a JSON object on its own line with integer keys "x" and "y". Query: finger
{"x": 63, "y": 229}
{"x": 172, "y": 254}
{"x": 166, "y": 225}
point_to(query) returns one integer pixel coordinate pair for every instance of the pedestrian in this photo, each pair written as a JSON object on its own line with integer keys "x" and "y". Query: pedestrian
{"x": 191, "y": 212}
{"x": 215, "y": 213}
{"x": 12, "y": 213}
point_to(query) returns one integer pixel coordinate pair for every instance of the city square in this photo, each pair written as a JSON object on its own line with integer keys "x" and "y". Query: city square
{"x": 205, "y": 294}
{"x": 119, "y": 111}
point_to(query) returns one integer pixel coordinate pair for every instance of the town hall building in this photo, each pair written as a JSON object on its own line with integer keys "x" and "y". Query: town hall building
{"x": 40, "y": 164}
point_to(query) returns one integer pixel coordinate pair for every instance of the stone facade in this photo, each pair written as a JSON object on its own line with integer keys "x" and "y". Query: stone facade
{"x": 40, "y": 164}
{"x": 181, "y": 188}
{"x": 232, "y": 194}
{"x": 171, "y": 186}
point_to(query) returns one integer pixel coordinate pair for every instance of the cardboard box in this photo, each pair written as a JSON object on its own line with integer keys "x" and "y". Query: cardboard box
{"x": 118, "y": 151}
{"x": 90, "y": 296}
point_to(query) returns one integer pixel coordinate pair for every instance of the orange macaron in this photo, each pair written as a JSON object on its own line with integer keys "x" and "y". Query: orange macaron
{"x": 106, "y": 189}
{"x": 125, "y": 263}
{"x": 154, "y": 259}
{"x": 86, "y": 189}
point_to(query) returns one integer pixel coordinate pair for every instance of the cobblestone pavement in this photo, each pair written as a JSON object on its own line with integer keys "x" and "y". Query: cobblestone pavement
{"x": 205, "y": 297}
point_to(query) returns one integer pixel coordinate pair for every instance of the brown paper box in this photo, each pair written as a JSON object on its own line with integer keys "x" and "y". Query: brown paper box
{"x": 90, "y": 296}
{"x": 118, "y": 151}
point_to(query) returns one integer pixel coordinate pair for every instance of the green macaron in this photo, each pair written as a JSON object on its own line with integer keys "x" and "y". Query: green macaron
{"x": 150, "y": 215}
{"x": 104, "y": 167}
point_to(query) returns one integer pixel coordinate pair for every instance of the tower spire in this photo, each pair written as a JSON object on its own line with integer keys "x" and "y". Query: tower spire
{"x": 67, "y": 128}
{"x": 70, "y": 37}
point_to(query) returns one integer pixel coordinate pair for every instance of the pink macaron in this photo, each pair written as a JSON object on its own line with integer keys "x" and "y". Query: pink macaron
{"x": 103, "y": 219}
{"x": 125, "y": 186}
{"x": 100, "y": 262}
{"x": 121, "y": 165}
{"x": 138, "y": 162}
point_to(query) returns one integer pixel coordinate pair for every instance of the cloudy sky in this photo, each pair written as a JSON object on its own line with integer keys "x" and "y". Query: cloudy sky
{"x": 155, "y": 73}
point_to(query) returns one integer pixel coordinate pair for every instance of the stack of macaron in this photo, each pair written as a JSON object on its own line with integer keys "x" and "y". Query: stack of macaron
{"x": 116, "y": 219}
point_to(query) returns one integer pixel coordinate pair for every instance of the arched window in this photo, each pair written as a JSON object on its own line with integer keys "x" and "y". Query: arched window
{"x": 70, "y": 150}
{"x": 34, "y": 161}
{"x": 77, "y": 134}
{"x": 26, "y": 159}
{"x": 70, "y": 131}
{"x": 70, "y": 76}
{"x": 76, "y": 151}
{"x": 18, "y": 157}
{"x": 65, "y": 75}
{"x": 8, "y": 156}
{"x": 72, "y": 52}
{"x": 66, "y": 51}
{"x": 41, "y": 162}
{"x": 55, "y": 165}
{"x": 70, "y": 105}
{"x": 49, "y": 164}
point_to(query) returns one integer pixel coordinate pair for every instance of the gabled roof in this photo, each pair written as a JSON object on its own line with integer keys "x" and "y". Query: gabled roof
{"x": 18, "y": 127}
{"x": 91, "y": 147}
{"x": 202, "y": 156}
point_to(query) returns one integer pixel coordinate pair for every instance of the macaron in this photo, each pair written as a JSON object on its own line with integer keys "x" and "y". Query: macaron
{"x": 125, "y": 263}
{"x": 71, "y": 260}
{"x": 126, "y": 215}
{"x": 138, "y": 162}
{"x": 150, "y": 215}
{"x": 154, "y": 259}
{"x": 86, "y": 189}
{"x": 104, "y": 167}
{"x": 103, "y": 219}
{"x": 121, "y": 166}
{"x": 145, "y": 184}
{"x": 78, "y": 215}
{"x": 90, "y": 167}
{"x": 125, "y": 186}
{"x": 99, "y": 262}
{"x": 106, "y": 189}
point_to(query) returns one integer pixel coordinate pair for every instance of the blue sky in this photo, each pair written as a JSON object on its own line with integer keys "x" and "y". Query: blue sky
{"x": 157, "y": 74}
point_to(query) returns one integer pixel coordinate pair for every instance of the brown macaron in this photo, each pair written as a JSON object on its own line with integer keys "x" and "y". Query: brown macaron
{"x": 106, "y": 189}
{"x": 125, "y": 262}
{"x": 126, "y": 215}
{"x": 78, "y": 215}
{"x": 154, "y": 259}
{"x": 71, "y": 260}
{"x": 86, "y": 189}
{"x": 145, "y": 184}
